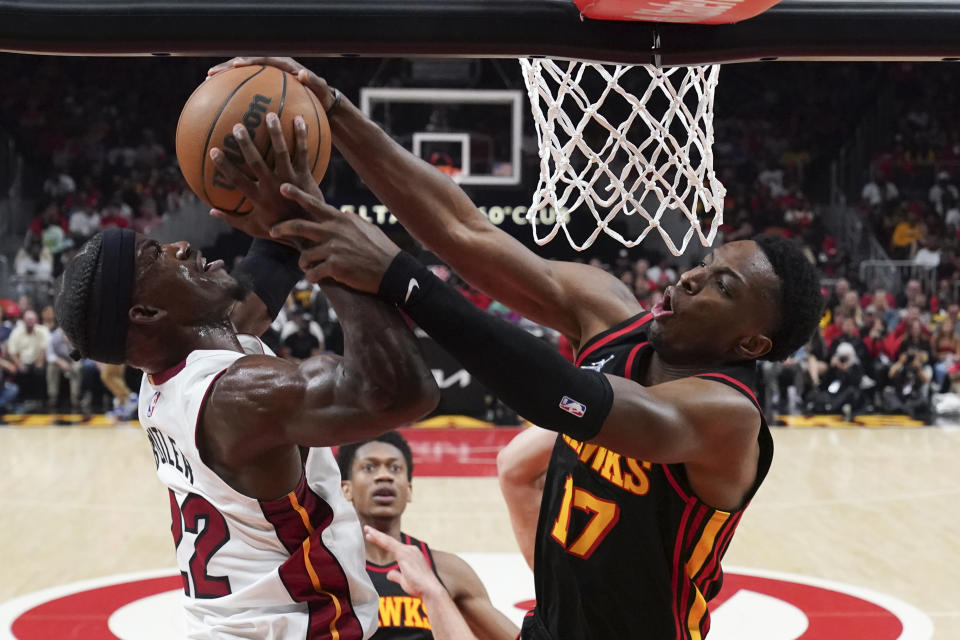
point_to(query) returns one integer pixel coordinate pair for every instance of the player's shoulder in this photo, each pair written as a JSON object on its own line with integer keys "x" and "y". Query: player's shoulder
{"x": 600, "y": 299}
{"x": 457, "y": 575}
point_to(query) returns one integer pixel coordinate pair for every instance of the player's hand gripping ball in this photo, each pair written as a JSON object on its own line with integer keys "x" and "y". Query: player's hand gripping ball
{"x": 245, "y": 95}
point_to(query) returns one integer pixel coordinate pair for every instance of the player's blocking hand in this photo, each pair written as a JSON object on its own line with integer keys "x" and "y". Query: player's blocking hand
{"x": 306, "y": 77}
{"x": 341, "y": 246}
{"x": 415, "y": 575}
{"x": 263, "y": 190}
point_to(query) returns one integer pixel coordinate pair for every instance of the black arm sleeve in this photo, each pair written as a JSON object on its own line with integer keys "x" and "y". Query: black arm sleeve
{"x": 270, "y": 269}
{"x": 527, "y": 375}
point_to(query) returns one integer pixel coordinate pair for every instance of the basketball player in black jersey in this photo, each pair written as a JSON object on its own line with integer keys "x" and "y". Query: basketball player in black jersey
{"x": 377, "y": 479}
{"x": 663, "y": 444}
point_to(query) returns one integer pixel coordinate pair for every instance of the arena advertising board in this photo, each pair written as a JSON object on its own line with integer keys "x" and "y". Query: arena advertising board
{"x": 753, "y": 605}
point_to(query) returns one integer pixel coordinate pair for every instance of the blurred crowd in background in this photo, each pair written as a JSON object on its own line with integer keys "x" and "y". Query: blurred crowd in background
{"x": 95, "y": 146}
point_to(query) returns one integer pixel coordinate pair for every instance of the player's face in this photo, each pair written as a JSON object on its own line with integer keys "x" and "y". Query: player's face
{"x": 179, "y": 279}
{"x": 717, "y": 309}
{"x": 378, "y": 485}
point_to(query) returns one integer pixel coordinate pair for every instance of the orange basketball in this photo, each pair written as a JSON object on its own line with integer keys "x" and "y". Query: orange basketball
{"x": 245, "y": 95}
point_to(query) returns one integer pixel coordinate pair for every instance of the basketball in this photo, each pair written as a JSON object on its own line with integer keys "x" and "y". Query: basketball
{"x": 245, "y": 95}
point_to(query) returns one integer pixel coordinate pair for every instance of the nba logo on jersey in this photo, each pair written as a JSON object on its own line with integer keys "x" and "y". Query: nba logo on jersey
{"x": 153, "y": 403}
{"x": 572, "y": 407}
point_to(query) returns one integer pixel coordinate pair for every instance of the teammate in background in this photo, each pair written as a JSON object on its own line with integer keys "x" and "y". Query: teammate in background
{"x": 416, "y": 577}
{"x": 663, "y": 443}
{"x": 267, "y": 545}
{"x": 377, "y": 476}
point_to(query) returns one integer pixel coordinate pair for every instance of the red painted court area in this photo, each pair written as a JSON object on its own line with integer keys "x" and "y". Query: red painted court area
{"x": 830, "y": 614}
{"x": 447, "y": 452}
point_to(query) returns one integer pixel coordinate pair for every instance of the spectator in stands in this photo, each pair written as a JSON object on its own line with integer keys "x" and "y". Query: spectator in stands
{"x": 48, "y": 318}
{"x": 943, "y": 188}
{"x": 879, "y": 191}
{"x": 840, "y": 289}
{"x": 840, "y": 385}
{"x": 296, "y": 315}
{"x": 116, "y": 214}
{"x": 5, "y": 325}
{"x": 27, "y": 348}
{"x": 643, "y": 290}
{"x": 834, "y": 329}
{"x": 61, "y": 365}
{"x": 147, "y": 218}
{"x": 851, "y": 335}
{"x": 912, "y": 315}
{"x": 850, "y": 307}
{"x": 945, "y": 347}
{"x": 782, "y": 383}
{"x": 125, "y": 401}
{"x": 84, "y": 220}
{"x": 952, "y": 311}
{"x": 149, "y": 153}
{"x": 301, "y": 344}
{"x": 58, "y": 185}
{"x": 928, "y": 253}
{"x": 910, "y": 376}
{"x": 51, "y": 227}
{"x": 814, "y": 365}
{"x": 882, "y": 347}
{"x": 771, "y": 177}
{"x": 883, "y": 304}
{"x": 910, "y": 294}
{"x": 951, "y": 216}
{"x": 906, "y": 235}
{"x": 24, "y": 303}
{"x": 8, "y": 388}
{"x": 34, "y": 260}
{"x": 741, "y": 229}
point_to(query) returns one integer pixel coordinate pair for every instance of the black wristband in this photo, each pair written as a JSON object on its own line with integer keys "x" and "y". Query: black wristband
{"x": 528, "y": 375}
{"x": 271, "y": 270}
{"x": 405, "y": 280}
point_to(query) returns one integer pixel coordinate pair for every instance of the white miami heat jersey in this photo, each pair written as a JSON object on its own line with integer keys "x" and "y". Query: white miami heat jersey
{"x": 293, "y": 567}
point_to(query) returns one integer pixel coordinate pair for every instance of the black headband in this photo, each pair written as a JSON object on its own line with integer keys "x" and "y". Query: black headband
{"x": 107, "y": 325}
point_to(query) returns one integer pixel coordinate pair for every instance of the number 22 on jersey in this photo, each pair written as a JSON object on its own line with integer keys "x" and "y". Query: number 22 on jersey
{"x": 214, "y": 534}
{"x": 604, "y": 515}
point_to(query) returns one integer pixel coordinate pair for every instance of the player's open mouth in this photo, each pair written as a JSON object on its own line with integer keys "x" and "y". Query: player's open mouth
{"x": 210, "y": 266}
{"x": 385, "y": 495}
{"x": 664, "y": 306}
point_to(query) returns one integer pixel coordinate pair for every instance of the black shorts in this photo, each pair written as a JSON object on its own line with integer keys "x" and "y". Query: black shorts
{"x": 533, "y": 629}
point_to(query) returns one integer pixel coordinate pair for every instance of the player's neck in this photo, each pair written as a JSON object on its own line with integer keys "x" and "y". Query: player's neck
{"x": 660, "y": 371}
{"x": 154, "y": 352}
{"x": 389, "y": 526}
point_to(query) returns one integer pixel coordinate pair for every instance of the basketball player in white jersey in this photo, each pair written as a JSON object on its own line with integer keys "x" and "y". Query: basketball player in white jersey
{"x": 266, "y": 543}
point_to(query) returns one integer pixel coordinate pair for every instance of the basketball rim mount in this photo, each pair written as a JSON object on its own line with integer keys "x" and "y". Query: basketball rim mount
{"x": 788, "y": 30}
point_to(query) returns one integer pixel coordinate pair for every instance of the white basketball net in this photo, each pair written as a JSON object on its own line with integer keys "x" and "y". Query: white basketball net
{"x": 652, "y": 153}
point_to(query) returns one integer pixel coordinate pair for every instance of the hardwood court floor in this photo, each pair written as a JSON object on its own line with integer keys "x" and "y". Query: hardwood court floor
{"x": 877, "y": 508}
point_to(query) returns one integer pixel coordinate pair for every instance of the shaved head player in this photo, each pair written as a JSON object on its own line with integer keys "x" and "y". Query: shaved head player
{"x": 662, "y": 442}
{"x": 266, "y": 543}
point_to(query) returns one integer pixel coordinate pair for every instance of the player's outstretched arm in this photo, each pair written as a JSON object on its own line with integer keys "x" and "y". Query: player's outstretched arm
{"x": 470, "y": 596}
{"x": 261, "y": 403}
{"x": 706, "y": 425}
{"x": 521, "y": 469}
{"x": 575, "y": 299}
{"x": 416, "y": 578}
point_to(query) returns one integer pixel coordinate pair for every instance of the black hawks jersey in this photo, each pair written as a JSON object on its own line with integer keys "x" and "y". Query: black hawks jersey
{"x": 401, "y": 615}
{"x": 624, "y": 547}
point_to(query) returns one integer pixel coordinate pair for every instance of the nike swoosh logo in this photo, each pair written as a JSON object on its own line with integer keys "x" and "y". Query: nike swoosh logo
{"x": 413, "y": 284}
